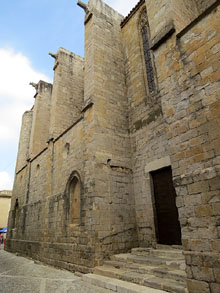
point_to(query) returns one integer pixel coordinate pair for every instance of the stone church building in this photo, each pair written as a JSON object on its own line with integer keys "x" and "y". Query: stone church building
{"x": 123, "y": 149}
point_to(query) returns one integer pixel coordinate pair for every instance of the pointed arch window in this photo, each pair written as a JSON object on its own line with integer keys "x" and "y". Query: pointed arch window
{"x": 144, "y": 29}
{"x": 73, "y": 199}
{"x": 75, "y": 207}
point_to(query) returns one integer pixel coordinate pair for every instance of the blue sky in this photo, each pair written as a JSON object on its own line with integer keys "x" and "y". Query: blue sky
{"x": 36, "y": 27}
{"x": 29, "y": 30}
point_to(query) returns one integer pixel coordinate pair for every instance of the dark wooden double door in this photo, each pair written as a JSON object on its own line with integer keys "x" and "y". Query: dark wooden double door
{"x": 166, "y": 213}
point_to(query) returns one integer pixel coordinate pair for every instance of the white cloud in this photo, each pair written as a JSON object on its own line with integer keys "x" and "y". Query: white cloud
{"x": 16, "y": 96}
{"x": 122, "y": 6}
{"x": 5, "y": 181}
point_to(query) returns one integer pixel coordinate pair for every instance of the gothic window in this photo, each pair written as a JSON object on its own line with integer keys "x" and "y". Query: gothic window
{"x": 75, "y": 207}
{"x": 144, "y": 28}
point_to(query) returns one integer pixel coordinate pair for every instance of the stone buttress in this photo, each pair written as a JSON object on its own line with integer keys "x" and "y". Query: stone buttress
{"x": 144, "y": 100}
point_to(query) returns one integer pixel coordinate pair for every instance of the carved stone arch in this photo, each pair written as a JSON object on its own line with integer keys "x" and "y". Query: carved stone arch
{"x": 144, "y": 35}
{"x": 143, "y": 19}
{"x": 74, "y": 198}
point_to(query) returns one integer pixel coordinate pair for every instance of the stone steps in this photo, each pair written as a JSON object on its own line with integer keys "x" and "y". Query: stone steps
{"x": 171, "y": 262}
{"x": 119, "y": 286}
{"x": 166, "y": 285}
{"x": 161, "y": 269}
{"x": 151, "y": 280}
{"x": 169, "y": 273}
{"x": 168, "y": 253}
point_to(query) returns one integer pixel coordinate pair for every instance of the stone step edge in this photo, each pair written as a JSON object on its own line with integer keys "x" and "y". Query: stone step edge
{"x": 122, "y": 275}
{"x": 157, "y": 251}
{"x": 127, "y": 255}
{"x": 167, "y": 285}
{"x": 150, "y": 259}
{"x": 153, "y": 270}
{"x": 133, "y": 265}
{"x": 116, "y": 285}
{"x": 169, "y": 258}
{"x": 164, "y": 246}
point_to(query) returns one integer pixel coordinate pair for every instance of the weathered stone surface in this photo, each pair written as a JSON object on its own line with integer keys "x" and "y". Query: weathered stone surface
{"x": 24, "y": 141}
{"x": 109, "y": 130}
{"x": 197, "y": 286}
{"x": 21, "y": 275}
{"x": 41, "y": 119}
{"x": 67, "y": 92}
{"x": 154, "y": 268}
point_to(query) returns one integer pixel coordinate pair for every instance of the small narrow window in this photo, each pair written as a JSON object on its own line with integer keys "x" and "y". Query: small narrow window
{"x": 144, "y": 27}
{"x": 75, "y": 206}
{"x": 15, "y": 215}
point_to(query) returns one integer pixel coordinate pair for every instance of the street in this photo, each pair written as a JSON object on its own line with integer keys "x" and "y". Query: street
{"x": 19, "y": 274}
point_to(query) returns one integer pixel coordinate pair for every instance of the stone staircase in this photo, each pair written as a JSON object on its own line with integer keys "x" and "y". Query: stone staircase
{"x": 143, "y": 270}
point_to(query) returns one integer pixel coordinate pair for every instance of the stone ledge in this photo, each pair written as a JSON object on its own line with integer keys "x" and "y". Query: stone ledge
{"x": 158, "y": 164}
{"x": 198, "y": 19}
{"x": 163, "y": 35}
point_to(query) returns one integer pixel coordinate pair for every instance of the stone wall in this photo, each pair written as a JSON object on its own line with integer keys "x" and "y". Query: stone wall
{"x": 24, "y": 141}
{"x": 164, "y": 16}
{"x": 43, "y": 229}
{"x": 185, "y": 11}
{"x": 177, "y": 127}
{"x": 94, "y": 148}
{"x": 67, "y": 96}
{"x": 109, "y": 131}
{"x": 41, "y": 118}
{"x": 113, "y": 201}
{"x": 146, "y": 125}
{"x": 188, "y": 79}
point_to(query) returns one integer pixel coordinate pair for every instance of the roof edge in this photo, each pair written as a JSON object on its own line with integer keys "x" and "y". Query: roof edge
{"x": 132, "y": 12}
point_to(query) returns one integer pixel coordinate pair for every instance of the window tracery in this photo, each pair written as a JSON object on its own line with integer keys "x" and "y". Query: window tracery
{"x": 144, "y": 28}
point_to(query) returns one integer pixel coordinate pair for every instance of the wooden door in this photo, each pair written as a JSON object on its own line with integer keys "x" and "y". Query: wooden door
{"x": 166, "y": 218}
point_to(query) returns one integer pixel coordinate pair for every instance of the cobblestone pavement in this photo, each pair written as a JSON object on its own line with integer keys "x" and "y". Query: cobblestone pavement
{"x": 19, "y": 274}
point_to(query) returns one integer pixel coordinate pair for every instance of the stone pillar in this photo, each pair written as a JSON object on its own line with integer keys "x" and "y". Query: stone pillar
{"x": 41, "y": 118}
{"x": 67, "y": 96}
{"x": 113, "y": 211}
{"x": 24, "y": 141}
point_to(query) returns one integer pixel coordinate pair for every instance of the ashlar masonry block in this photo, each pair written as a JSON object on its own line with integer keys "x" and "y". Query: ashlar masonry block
{"x": 41, "y": 118}
{"x": 67, "y": 96}
{"x": 24, "y": 140}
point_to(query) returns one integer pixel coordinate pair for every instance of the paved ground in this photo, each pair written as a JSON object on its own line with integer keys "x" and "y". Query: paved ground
{"x": 18, "y": 274}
